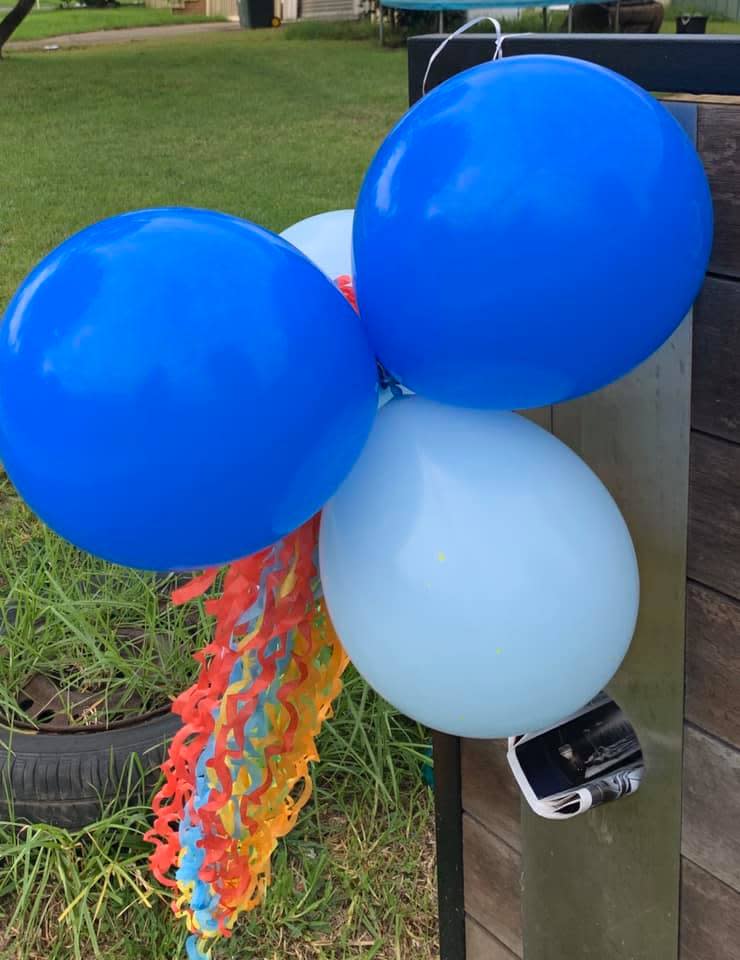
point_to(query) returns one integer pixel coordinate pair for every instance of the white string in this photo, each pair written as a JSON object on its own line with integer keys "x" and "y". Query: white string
{"x": 497, "y": 53}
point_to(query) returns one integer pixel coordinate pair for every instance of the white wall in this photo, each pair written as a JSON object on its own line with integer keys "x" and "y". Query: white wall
{"x": 221, "y": 8}
{"x": 330, "y": 9}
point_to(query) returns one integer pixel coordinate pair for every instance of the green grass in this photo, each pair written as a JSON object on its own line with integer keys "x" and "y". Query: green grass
{"x": 354, "y": 881}
{"x": 48, "y": 23}
{"x": 274, "y": 129}
{"x": 717, "y": 22}
{"x": 714, "y": 26}
{"x": 252, "y": 124}
{"x": 53, "y": 23}
{"x": 531, "y": 21}
{"x": 93, "y": 628}
{"x": 312, "y": 30}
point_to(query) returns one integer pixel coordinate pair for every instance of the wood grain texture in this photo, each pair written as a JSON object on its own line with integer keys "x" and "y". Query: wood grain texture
{"x": 492, "y": 884}
{"x": 542, "y": 416}
{"x": 714, "y": 514}
{"x": 702, "y": 98}
{"x": 715, "y": 400}
{"x": 713, "y": 663}
{"x": 482, "y": 946}
{"x": 711, "y": 806}
{"x": 606, "y": 885}
{"x": 489, "y": 791}
{"x": 718, "y": 143}
{"x": 710, "y": 917}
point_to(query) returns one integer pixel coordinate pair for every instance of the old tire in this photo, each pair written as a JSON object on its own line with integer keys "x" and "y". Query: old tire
{"x": 67, "y": 779}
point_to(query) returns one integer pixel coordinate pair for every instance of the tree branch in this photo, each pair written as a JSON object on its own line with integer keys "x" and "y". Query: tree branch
{"x": 12, "y": 20}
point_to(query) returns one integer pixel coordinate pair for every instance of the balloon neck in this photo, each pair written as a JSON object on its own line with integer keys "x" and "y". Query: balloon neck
{"x": 388, "y": 381}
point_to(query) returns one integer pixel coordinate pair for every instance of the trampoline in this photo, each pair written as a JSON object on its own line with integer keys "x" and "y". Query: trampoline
{"x": 441, "y": 5}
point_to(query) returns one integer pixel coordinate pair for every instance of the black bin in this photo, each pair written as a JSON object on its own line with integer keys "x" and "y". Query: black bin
{"x": 695, "y": 23}
{"x": 254, "y": 14}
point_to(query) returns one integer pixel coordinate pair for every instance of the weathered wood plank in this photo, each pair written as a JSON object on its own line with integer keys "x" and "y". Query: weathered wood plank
{"x": 715, "y": 400}
{"x": 710, "y": 917}
{"x": 713, "y": 663}
{"x": 606, "y": 884}
{"x": 714, "y": 514}
{"x": 718, "y": 142}
{"x": 492, "y": 884}
{"x": 542, "y": 416}
{"x": 701, "y": 98}
{"x": 480, "y": 945}
{"x": 711, "y": 806}
{"x": 489, "y": 791}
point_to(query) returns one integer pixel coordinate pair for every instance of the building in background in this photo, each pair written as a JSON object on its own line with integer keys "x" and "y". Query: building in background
{"x": 287, "y": 10}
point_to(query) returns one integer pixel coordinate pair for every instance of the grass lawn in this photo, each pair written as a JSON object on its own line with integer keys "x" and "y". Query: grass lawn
{"x": 271, "y": 128}
{"x": 531, "y": 21}
{"x": 714, "y": 26}
{"x": 53, "y": 23}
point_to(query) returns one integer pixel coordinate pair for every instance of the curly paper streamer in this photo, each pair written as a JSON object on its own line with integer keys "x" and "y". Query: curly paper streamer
{"x": 237, "y": 774}
{"x": 238, "y": 771}
{"x": 347, "y": 287}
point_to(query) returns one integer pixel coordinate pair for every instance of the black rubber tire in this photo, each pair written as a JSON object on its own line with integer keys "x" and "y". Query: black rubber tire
{"x": 67, "y": 779}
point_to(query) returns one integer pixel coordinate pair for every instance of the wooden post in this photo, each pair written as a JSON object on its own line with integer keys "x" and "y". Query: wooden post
{"x": 607, "y": 884}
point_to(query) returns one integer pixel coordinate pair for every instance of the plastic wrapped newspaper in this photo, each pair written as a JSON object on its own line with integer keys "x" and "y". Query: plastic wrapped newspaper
{"x": 588, "y": 759}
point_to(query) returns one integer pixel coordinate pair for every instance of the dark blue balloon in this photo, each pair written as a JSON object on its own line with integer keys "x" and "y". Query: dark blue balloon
{"x": 179, "y": 388}
{"x": 530, "y": 231}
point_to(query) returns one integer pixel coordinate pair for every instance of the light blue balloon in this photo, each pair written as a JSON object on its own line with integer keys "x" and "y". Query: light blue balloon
{"x": 326, "y": 239}
{"x": 478, "y": 573}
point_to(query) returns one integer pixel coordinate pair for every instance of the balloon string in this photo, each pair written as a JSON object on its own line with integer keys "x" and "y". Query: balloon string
{"x": 497, "y": 53}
